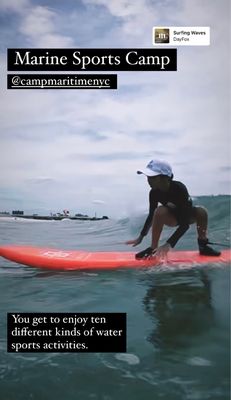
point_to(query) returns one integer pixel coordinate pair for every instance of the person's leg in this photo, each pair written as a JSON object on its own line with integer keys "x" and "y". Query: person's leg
{"x": 162, "y": 216}
{"x": 201, "y": 219}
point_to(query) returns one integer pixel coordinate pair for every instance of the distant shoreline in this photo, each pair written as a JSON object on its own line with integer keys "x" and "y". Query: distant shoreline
{"x": 54, "y": 218}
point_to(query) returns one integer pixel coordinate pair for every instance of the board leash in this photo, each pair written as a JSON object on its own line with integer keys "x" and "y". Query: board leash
{"x": 219, "y": 244}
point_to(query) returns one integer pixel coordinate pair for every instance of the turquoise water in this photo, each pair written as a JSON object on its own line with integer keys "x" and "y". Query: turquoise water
{"x": 178, "y": 319}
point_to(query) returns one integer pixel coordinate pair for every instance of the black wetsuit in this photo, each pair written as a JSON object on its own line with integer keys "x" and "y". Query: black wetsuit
{"x": 181, "y": 207}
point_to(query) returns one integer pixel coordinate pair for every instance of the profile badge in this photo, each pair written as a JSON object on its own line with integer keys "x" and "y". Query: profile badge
{"x": 161, "y": 35}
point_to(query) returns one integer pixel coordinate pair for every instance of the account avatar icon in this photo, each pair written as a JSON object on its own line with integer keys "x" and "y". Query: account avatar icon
{"x": 161, "y": 35}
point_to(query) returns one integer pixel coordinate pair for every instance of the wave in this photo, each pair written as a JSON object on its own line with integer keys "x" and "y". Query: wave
{"x": 218, "y": 208}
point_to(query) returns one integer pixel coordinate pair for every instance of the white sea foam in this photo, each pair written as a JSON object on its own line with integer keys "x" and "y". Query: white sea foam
{"x": 199, "y": 361}
{"x": 130, "y": 359}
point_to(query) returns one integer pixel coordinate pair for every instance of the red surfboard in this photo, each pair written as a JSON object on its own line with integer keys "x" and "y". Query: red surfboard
{"x": 76, "y": 260}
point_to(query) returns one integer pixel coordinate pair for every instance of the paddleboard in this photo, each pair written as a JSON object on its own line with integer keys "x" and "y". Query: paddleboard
{"x": 76, "y": 259}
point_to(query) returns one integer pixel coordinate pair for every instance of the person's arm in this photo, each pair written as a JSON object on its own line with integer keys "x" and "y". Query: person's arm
{"x": 153, "y": 202}
{"x": 184, "y": 208}
{"x": 177, "y": 234}
{"x": 152, "y": 206}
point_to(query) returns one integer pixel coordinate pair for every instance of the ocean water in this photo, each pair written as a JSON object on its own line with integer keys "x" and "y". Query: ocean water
{"x": 177, "y": 318}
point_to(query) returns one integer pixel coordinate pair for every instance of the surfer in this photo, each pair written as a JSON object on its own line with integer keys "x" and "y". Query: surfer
{"x": 176, "y": 210}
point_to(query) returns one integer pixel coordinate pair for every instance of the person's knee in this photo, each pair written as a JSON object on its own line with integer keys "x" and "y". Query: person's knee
{"x": 161, "y": 212}
{"x": 162, "y": 216}
{"x": 201, "y": 212}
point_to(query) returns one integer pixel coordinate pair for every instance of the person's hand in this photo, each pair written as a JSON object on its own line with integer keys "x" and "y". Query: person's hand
{"x": 162, "y": 251}
{"x": 135, "y": 242}
{"x": 145, "y": 254}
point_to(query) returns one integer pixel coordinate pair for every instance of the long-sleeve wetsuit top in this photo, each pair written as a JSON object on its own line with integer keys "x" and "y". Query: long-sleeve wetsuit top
{"x": 176, "y": 197}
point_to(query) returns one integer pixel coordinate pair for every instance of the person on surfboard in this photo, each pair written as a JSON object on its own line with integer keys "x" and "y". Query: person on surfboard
{"x": 176, "y": 210}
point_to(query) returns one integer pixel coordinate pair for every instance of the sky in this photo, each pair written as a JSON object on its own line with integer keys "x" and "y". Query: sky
{"x": 80, "y": 149}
